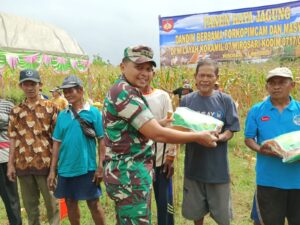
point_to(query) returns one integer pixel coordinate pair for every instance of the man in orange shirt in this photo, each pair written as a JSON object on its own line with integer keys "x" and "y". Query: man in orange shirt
{"x": 60, "y": 102}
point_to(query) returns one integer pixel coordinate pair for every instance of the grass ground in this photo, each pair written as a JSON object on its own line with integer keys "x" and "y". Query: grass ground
{"x": 242, "y": 186}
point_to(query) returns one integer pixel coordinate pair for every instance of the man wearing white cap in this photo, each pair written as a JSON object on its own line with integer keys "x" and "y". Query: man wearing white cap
{"x": 278, "y": 184}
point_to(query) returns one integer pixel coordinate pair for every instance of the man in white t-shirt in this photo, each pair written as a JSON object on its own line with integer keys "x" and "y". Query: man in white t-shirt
{"x": 160, "y": 104}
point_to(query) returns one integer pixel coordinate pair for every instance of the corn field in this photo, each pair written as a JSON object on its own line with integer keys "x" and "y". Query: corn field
{"x": 245, "y": 82}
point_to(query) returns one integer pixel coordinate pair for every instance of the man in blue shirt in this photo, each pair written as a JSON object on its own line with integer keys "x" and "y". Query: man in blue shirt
{"x": 74, "y": 154}
{"x": 278, "y": 183}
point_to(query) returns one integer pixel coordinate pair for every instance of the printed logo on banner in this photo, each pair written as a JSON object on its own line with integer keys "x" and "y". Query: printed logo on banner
{"x": 168, "y": 25}
{"x": 296, "y": 120}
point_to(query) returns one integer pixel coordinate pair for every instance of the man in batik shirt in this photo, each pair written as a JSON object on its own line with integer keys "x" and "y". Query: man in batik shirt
{"x": 30, "y": 127}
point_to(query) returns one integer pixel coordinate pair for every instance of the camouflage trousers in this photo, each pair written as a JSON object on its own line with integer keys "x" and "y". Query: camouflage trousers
{"x": 132, "y": 203}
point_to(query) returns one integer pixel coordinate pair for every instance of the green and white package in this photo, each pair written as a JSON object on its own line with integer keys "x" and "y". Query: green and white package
{"x": 191, "y": 120}
{"x": 287, "y": 145}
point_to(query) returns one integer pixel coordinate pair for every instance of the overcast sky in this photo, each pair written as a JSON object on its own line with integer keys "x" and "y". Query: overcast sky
{"x": 107, "y": 27}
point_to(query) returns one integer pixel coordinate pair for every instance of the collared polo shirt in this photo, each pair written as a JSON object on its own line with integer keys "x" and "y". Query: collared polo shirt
{"x": 77, "y": 153}
{"x": 264, "y": 121}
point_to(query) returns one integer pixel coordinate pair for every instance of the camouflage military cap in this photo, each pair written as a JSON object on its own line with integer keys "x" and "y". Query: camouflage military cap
{"x": 139, "y": 54}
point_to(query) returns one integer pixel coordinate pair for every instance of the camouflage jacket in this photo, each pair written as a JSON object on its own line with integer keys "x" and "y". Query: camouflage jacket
{"x": 129, "y": 154}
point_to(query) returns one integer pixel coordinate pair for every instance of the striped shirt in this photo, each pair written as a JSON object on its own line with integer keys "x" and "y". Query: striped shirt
{"x": 5, "y": 108}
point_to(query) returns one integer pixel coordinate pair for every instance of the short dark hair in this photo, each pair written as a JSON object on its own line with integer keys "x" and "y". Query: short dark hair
{"x": 208, "y": 62}
{"x": 126, "y": 60}
{"x": 78, "y": 87}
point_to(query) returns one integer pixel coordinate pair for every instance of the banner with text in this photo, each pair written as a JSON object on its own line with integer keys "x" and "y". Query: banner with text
{"x": 242, "y": 34}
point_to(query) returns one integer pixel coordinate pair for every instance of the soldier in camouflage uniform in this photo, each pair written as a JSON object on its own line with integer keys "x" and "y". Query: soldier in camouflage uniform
{"x": 129, "y": 126}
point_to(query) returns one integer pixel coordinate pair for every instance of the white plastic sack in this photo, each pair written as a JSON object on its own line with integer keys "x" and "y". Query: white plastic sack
{"x": 187, "y": 119}
{"x": 286, "y": 145}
